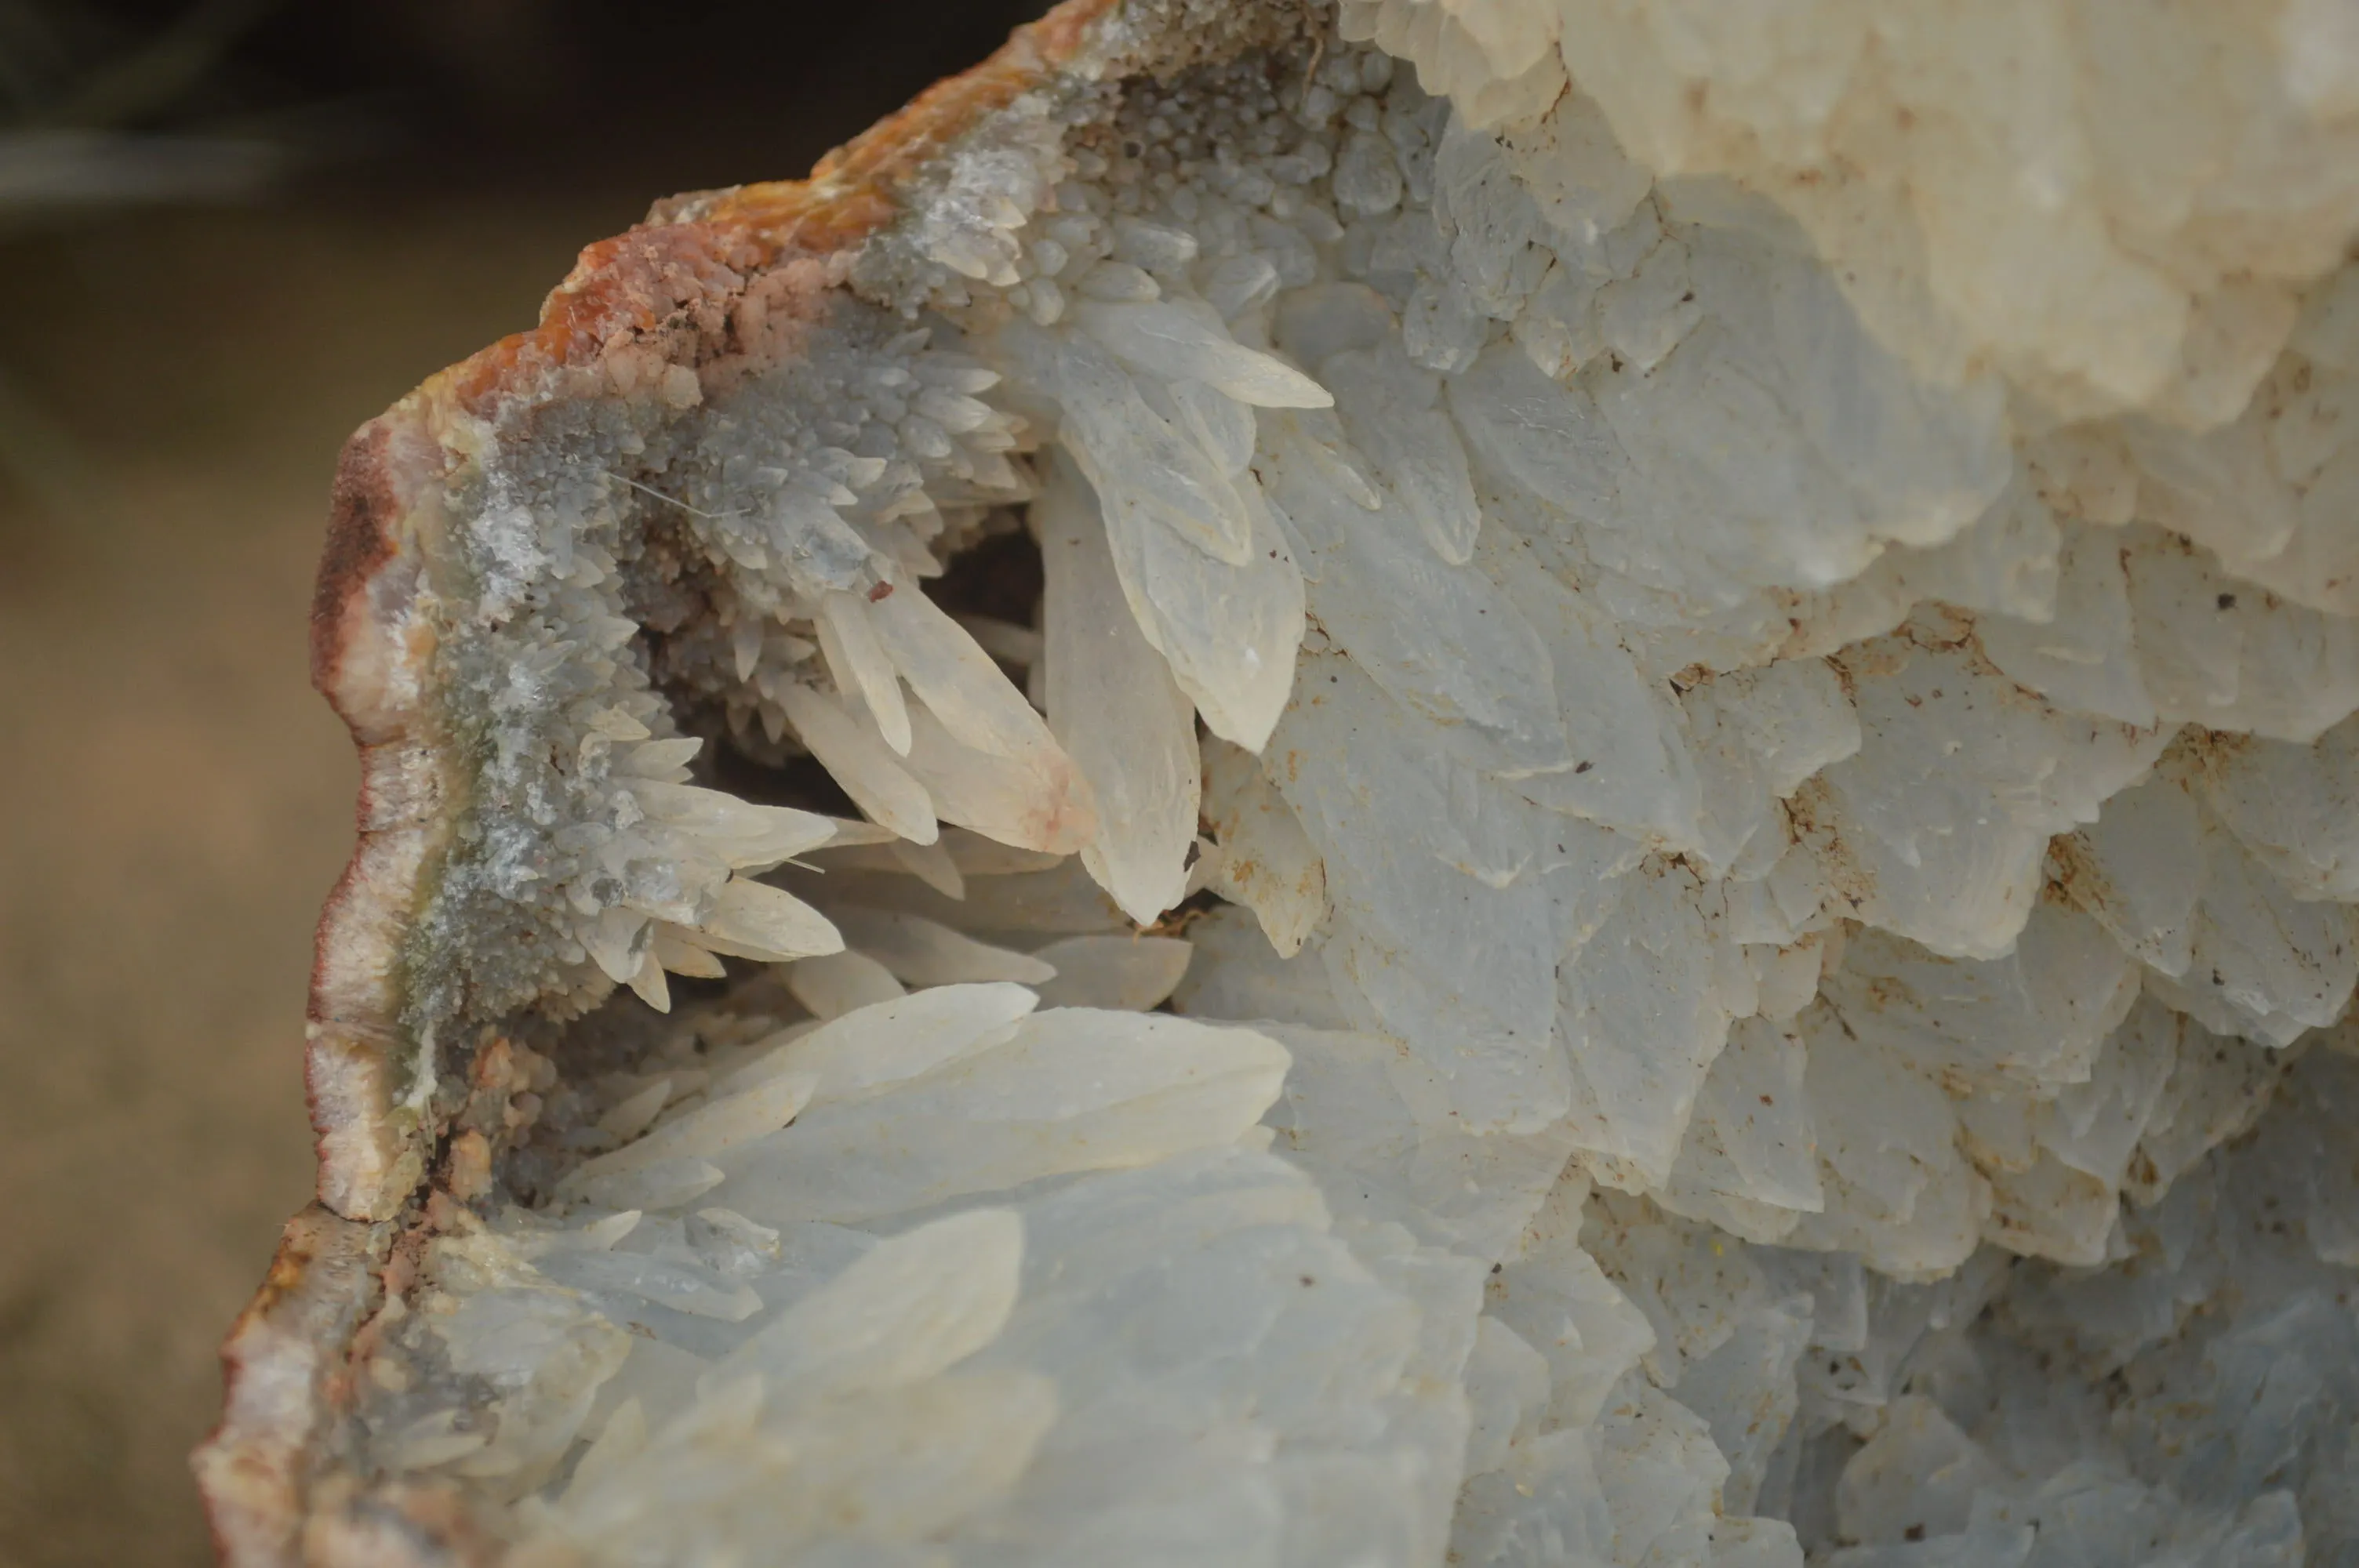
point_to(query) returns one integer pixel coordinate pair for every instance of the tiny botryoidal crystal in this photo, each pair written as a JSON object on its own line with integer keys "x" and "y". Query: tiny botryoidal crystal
{"x": 1496, "y": 782}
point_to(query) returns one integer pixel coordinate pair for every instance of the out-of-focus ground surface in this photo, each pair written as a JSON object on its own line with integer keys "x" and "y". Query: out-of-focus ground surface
{"x": 174, "y": 800}
{"x": 177, "y": 802}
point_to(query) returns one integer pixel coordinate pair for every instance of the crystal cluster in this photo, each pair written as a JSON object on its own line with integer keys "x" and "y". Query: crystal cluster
{"x": 1732, "y": 635}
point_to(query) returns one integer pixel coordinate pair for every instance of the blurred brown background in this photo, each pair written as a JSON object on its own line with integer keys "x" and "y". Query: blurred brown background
{"x": 230, "y": 232}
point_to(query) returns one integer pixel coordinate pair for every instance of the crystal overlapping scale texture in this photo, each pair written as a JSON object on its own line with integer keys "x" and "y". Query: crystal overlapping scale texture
{"x": 1755, "y": 623}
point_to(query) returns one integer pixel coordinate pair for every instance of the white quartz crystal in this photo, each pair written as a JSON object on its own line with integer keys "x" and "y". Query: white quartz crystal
{"x": 1773, "y": 596}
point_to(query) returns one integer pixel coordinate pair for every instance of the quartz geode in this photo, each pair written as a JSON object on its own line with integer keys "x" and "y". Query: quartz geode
{"x": 1517, "y": 781}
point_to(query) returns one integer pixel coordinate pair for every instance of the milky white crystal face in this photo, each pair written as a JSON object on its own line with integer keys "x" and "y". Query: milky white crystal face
{"x": 1737, "y": 630}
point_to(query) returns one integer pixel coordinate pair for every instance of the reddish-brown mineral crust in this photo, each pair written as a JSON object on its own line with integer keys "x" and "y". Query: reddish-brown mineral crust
{"x": 371, "y": 640}
{"x": 696, "y": 251}
{"x": 394, "y": 1524}
{"x": 281, "y": 1355}
{"x": 361, "y": 510}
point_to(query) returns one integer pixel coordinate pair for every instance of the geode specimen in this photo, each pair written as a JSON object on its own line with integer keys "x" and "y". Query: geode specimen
{"x": 1518, "y": 782}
